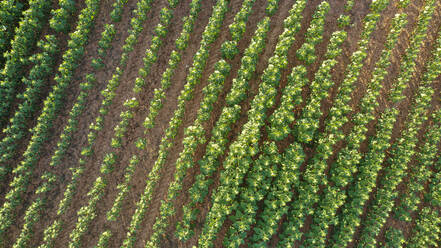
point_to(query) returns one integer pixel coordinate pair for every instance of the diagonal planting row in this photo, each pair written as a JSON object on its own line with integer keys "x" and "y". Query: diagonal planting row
{"x": 427, "y": 231}
{"x": 36, "y": 209}
{"x": 17, "y": 128}
{"x": 313, "y": 35}
{"x": 132, "y": 104}
{"x": 44, "y": 63}
{"x": 155, "y": 105}
{"x": 194, "y": 134}
{"x": 393, "y": 238}
{"x": 23, "y": 44}
{"x": 419, "y": 175}
{"x": 314, "y": 174}
{"x": 371, "y": 164}
{"x": 52, "y": 231}
{"x": 308, "y": 124}
{"x": 259, "y": 178}
{"x": 341, "y": 171}
{"x": 245, "y": 147}
{"x": 11, "y": 12}
{"x": 228, "y": 116}
{"x": 283, "y": 169}
{"x": 410, "y": 202}
{"x": 71, "y": 59}
{"x": 209, "y": 35}
{"x": 86, "y": 214}
{"x": 401, "y": 155}
{"x": 280, "y": 191}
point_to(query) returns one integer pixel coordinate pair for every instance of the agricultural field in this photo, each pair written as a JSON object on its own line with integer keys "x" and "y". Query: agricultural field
{"x": 220, "y": 123}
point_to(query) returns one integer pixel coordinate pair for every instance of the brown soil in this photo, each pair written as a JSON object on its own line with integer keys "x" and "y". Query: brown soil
{"x": 135, "y": 130}
{"x": 62, "y": 39}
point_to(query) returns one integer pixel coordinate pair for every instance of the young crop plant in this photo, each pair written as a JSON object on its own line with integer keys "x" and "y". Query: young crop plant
{"x": 155, "y": 105}
{"x": 22, "y": 46}
{"x": 420, "y": 174}
{"x": 62, "y": 146}
{"x": 43, "y": 66}
{"x": 209, "y": 35}
{"x": 10, "y": 14}
{"x": 195, "y": 134}
{"x": 307, "y": 126}
{"x": 370, "y": 165}
{"x": 130, "y": 105}
{"x": 245, "y": 146}
{"x": 41, "y": 131}
{"x": 53, "y": 230}
{"x": 223, "y": 123}
{"x": 266, "y": 168}
{"x": 427, "y": 231}
{"x": 280, "y": 194}
{"x": 229, "y": 115}
{"x": 314, "y": 174}
{"x": 314, "y": 34}
{"x": 342, "y": 170}
{"x": 401, "y": 155}
{"x": 394, "y": 238}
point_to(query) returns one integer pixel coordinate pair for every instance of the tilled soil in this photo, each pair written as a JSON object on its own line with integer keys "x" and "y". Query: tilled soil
{"x": 148, "y": 157}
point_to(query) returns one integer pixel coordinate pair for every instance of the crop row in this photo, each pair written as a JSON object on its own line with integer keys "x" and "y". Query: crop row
{"x": 245, "y": 146}
{"x": 52, "y": 231}
{"x": 280, "y": 194}
{"x": 37, "y": 207}
{"x": 384, "y": 198}
{"x": 35, "y": 210}
{"x": 52, "y": 104}
{"x": 22, "y": 46}
{"x": 426, "y": 232}
{"x": 345, "y": 165}
{"x": 371, "y": 164}
{"x": 427, "y": 229}
{"x": 393, "y": 238}
{"x": 12, "y": 75}
{"x": 265, "y": 168}
{"x": 87, "y": 213}
{"x": 209, "y": 35}
{"x": 10, "y": 14}
{"x": 156, "y": 104}
{"x": 314, "y": 34}
{"x": 409, "y": 200}
{"x": 194, "y": 134}
{"x": 229, "y": 115}
{"x": 314, "y": 174}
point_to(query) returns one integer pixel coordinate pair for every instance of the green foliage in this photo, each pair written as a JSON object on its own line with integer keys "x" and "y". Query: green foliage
{"x": 20, "y": 44}
{"x": 41, "y": 132}
{"x": 427, "y": 230}
{"x": 217, "y": 144}
{"x": 305, "y": 130}
{"x": 343, "y": 21}
{"x": 370, "y": 166}
{"x": 62, "y": 16}
{"x": 103, "y": 241}
{"x": 229, "y": 49}
{"x": 314, "y": 34}
{"x": 242, "y": 150}
{"x": 193, "y": 78}
{"x": 394, "y": 238}
{"x": 343, "y": 169}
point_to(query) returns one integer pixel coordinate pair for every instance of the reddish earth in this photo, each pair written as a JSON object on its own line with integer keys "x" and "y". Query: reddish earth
{"x": 135, "y": 130}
